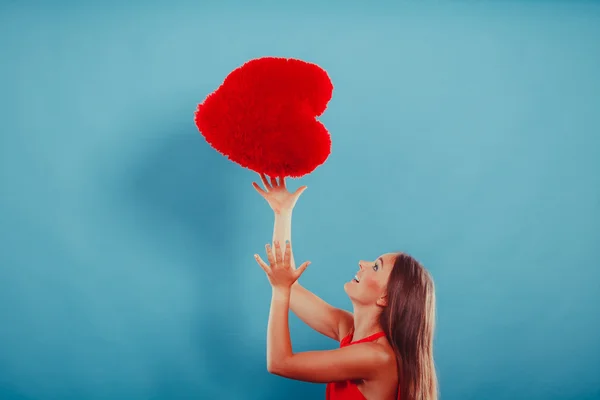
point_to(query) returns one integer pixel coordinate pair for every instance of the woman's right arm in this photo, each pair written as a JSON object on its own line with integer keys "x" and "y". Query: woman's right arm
{"x": 312, "y": 310}
{"x": 319, "y": 315}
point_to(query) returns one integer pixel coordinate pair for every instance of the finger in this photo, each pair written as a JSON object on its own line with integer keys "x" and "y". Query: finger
{"x": 282, "y": 182}
{"x": 259, "y": 189}
{"x": 287, "y": 257}
{"x": 301, "y": 269}
{"x": 299, "y": 191}
{"x": 270, "y": 256}
{"x": 262, "y": 264}
{"x": 274, "y": 182}
{"x": 265, "y": 182}
{"x": 278, "y": 258}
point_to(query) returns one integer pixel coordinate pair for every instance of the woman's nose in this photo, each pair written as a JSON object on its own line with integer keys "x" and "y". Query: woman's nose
{"x": 360, "y": 264}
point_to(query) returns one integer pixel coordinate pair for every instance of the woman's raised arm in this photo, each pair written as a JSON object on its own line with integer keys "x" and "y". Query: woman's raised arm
{"x": 312, "y": 310}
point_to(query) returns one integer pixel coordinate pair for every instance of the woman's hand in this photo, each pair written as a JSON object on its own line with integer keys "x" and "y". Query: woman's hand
{"x": 277, "y": 195}
{"x": 280, "y": 271}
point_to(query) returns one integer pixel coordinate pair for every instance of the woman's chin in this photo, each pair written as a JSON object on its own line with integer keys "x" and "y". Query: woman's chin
{"x": 348, "y": 288}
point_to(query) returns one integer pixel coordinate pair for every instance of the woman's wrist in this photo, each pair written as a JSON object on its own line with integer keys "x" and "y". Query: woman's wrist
{"x": 282, "y": 229}
{"x": 285, "y": 213}
{"x": 282, "y": 293}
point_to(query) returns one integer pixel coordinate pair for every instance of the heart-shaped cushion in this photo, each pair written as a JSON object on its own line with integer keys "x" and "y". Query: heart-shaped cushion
{"x": 263, "y": 116}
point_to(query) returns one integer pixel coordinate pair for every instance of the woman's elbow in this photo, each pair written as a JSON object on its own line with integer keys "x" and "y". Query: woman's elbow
{"x": 275, "y": 367}
{"x": 274, "y": 371}
{"x": 271, "y": 367}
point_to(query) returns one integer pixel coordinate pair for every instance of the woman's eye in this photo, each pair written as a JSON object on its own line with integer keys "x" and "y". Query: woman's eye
{"x": 375, "y": 267}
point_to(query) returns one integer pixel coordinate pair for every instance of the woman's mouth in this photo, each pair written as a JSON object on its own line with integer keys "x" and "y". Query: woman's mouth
{"x": 356, "y": 279}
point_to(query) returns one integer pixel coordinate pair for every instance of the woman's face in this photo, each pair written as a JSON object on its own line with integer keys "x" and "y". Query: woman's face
{"x": 370, "y": 282}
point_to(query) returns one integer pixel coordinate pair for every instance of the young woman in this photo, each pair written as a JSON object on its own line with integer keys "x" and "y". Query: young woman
{"x": 386, "y": 344}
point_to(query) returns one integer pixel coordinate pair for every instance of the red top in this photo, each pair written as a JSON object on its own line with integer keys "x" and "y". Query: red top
{"x": 348, "y": 390}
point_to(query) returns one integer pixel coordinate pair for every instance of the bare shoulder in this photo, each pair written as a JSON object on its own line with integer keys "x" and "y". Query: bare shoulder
{"x": 379, "y": 355}
{"x": 384, "y": 384}
{"x": 384, "y": 353}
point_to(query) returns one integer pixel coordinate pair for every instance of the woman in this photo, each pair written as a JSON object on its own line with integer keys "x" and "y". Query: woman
{"x": 386, "y": 349}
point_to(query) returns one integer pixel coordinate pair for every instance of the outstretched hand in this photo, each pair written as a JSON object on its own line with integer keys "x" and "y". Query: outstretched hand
{"x": 277, "y": 195}
{"x": 280, "y": 272}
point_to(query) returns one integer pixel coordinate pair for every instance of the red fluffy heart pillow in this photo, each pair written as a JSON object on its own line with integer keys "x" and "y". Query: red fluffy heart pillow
{"x": 263, "y": 116}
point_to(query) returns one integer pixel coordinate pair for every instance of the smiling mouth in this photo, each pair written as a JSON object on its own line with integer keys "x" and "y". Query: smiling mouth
{"x": 356, "y": 279}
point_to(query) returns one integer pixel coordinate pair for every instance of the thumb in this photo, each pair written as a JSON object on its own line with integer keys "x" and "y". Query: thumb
{"x": 299, "y": 191}
{"x": 301, "y": 269}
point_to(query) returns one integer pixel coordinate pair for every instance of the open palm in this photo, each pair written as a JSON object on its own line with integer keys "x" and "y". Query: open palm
{"x": 277, "y": 195}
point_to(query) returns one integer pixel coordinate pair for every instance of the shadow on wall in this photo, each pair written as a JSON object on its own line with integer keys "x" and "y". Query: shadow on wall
{"x": 188, "y": 186}
{"x": 8, "y": 392}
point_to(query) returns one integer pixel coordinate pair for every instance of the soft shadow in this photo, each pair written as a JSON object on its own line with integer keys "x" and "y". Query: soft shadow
{"x": 9, "y": 392}
{"x": 192, "y": 187}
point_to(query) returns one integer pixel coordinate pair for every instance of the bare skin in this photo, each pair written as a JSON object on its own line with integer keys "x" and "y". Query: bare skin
{"x": 372, "y": 364}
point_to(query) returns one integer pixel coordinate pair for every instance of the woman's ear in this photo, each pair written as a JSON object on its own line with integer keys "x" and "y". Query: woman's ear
{"x": 382, "y": 301}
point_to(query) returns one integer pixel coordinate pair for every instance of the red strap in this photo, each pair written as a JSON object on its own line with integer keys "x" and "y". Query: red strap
{"x": 348, "y": 339}
{"x": 374, "y": 336}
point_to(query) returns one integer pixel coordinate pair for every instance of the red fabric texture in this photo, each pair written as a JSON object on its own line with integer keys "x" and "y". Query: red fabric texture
{"x": 263, "y": 116}
{"x": 348, "y": 390}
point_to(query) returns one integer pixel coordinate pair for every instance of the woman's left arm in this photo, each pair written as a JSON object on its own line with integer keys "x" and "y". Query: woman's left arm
{"x": 359, "y": 361}
{"x": 279, "y": 343}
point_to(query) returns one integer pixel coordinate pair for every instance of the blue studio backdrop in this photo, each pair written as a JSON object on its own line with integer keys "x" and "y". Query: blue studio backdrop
{"x": 464, "y": 133}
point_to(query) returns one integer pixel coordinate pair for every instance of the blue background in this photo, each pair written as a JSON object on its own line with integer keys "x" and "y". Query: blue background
{"x": 465, "y": 133}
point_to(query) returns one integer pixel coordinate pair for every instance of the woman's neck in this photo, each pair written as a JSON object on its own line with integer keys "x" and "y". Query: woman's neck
{"x": 366, "y": 322}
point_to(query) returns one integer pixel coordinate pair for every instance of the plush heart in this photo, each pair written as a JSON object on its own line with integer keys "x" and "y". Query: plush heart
{"x": 263, "y": 116}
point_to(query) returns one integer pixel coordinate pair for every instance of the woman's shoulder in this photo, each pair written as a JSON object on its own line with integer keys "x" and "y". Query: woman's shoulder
{"x": 385, "y": 350}
{"x": 387, "y": 374}
{"x": 379, "y": 349}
